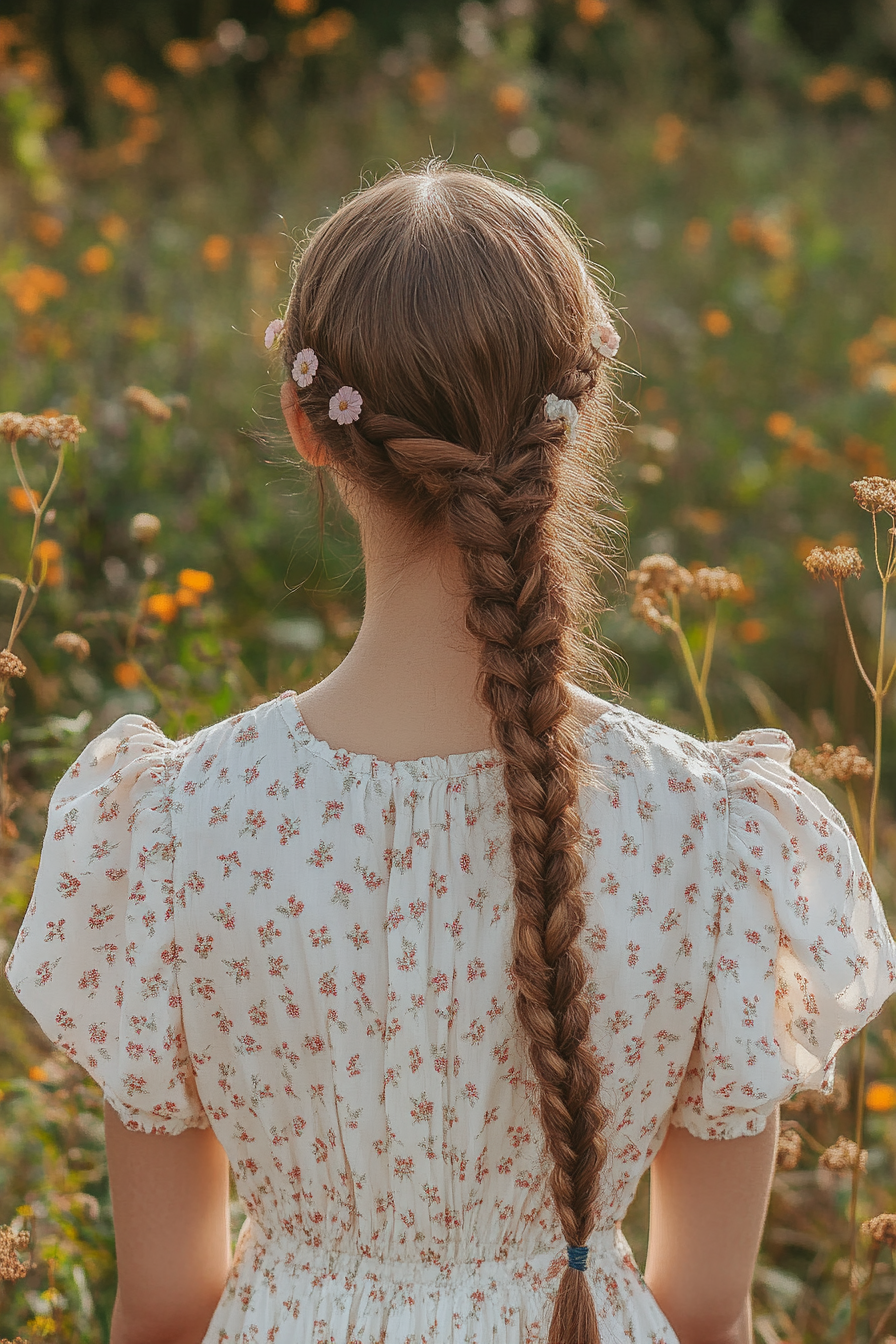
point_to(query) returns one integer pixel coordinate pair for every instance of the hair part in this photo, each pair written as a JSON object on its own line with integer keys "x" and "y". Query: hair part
{"x": 454, "y": 303}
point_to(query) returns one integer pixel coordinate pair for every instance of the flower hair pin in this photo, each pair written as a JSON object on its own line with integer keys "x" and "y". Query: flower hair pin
{"x": 272, "y": 332}
{"x": 557, "y": 408}
{"x": 345, "y": 405}
{"x": 304, "y": 367}
{"x": 605, "y": 339}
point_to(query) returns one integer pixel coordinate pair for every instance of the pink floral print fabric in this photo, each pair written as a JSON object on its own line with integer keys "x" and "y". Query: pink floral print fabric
{"x": 308, "y": 950}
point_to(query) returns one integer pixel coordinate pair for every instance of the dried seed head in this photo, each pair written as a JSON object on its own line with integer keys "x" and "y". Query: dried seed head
{"x": 876, "y": 494}
{"x": 145, "y": 527}
{"x": 71, "y": 642}
{"x": 843, "y": 1156}
{"x": 11, "y": 1266}
{"x": 881, "y": 1229}
{"x": 55, "y": 429}
{"x": 650, "y": 608}
{"x": 843, "y": 562}
{"x": 790, "y": 1146}
{"x": 660, "y": 574}
{"x": 10, "y": 665}
{"x": 840, "y": 763}
{"x": 143, "y": 400}
{"x": 816, "y": 1101}
{"x": 719, "y": 582}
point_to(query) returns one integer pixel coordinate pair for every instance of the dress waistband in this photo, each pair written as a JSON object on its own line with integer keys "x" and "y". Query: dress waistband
{"x": 277, "y": 1248}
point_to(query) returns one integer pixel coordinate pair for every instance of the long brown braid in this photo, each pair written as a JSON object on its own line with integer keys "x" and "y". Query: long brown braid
{"x": 454, "y": 304}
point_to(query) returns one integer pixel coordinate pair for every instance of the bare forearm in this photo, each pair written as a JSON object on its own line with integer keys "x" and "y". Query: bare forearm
{"x": 125, "y": 1331}
{"x": 695, "y": 1331}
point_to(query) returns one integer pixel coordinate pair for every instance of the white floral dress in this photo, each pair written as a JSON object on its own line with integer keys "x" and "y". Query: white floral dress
{"x": 308, "y": 950}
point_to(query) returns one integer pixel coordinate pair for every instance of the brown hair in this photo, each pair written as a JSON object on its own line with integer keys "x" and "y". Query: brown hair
{"x": 454, "y": 304}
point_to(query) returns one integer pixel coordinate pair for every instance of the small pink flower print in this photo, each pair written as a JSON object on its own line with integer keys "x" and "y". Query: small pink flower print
{"x": 345, "y": 406}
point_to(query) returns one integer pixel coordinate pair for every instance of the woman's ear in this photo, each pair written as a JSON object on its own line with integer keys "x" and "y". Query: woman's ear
{"x": 307, "y": 443}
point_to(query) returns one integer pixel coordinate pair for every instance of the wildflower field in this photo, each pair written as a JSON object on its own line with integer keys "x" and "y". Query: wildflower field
{"x": 169, "y": 559}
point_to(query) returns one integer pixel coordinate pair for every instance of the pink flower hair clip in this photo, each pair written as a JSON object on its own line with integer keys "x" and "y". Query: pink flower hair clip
{"x": 304, "y": 367}
{"x": 345, "y": 405}
{"x": 605, "y": 339}
{"x": 272, "y": 332}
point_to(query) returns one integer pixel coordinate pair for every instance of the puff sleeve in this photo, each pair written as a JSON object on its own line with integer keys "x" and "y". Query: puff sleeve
{"x": 96, "y": 957}
{"x": 802, "y": 956}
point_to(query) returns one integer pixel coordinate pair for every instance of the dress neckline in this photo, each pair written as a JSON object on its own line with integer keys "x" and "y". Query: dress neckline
{"x": 456, "y": 766}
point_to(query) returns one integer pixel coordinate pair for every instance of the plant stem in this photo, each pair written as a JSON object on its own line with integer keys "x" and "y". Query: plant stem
{"x": 709, "y": 646}
{"x": 854, "y": 1192}
{"x": 855, "y": 816}
{"x": 878, "y": 1329}
{"x": 852, "y": 643}
{"x": 692, "y": 670}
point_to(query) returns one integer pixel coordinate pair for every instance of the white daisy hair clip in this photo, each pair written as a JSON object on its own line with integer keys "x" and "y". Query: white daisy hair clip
{"x": 272, "y": 332}
{"x": 605, "y": 339}
{"x": 345, "y": 405}
{"x": 304, "y": 367}
{"x": 556, "y": 408}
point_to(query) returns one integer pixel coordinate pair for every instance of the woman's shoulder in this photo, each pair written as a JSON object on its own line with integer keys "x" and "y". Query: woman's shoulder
{"x": 616, "y": 733}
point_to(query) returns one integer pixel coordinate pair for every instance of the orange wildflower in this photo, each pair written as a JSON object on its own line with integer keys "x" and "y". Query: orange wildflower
{"x": 216, "y": 251}
{"x": 881, "y": 1097}
{"x": 716, "y": 322}
{"x": 752, "y": 631}
{"x": 877, "y": 94}
{"x": 96, "y": 259}
{"x": 428, "y": 86}
{"x": 294, "y": 9}
{"x": 592, "y": 11}
{"x": 671, "y": 134}
{"x": 48, "y": 550}
{"x": 697, "y": 233}
{"x": 199, "y": 580}
{"x": 780, "y": 425}
{"x": 113, "y": 228}
{"x": 830, "y": 84}
{"x": 21, "y": 499}
{"x": 127, "y": 675}
{"x": 127, "y": 89}
{"x": 186, "y": 597}
{"x": 31, "y": 287}
{"x": 38, "y": 1074}
{"x": 321, "y": 34}
{"x": 509, "y": 99}
{"x": 187, "y": 58}
{"x": 741, "y": 230}
{"x": 163, "y": 606}
{"x": 47, "y": 229}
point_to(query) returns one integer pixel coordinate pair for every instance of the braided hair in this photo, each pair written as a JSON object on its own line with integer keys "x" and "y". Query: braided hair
{"x": 455, "y": 303}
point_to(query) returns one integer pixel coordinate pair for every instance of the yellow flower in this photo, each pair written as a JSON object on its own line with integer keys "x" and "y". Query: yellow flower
{"x": 127, "y": 675}
{"x": 163, "y": 606}
{"x": 37, "y": 1074}
{"x": 25, "y": 1211}
{"x": 198, "y": 580}
{"x": 716, "y": 322}
{"x": 216, "y": 252}
{"x": 96, "y": 259}
{"x": 881, "y": 1097}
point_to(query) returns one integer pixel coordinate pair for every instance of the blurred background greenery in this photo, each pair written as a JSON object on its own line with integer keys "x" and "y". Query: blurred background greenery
{"x": 732, "y": 163}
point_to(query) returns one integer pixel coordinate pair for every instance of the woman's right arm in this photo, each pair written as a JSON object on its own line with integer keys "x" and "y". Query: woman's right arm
{"x": 708, "y": 1201}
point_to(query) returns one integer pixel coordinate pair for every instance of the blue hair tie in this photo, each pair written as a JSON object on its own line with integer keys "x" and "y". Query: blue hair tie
{"x": 577, "y": 1256}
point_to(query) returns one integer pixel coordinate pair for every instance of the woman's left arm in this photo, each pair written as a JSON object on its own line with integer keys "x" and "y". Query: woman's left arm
{"x": 171, "y": 1209}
